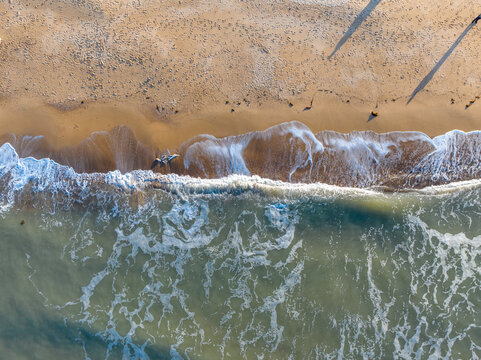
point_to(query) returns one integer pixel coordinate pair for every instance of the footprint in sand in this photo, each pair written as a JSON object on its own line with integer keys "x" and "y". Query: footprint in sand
{"x": 471, "y": 102}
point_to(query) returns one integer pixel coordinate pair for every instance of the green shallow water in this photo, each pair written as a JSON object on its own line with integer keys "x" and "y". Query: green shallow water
{"x": 242, "y": 275}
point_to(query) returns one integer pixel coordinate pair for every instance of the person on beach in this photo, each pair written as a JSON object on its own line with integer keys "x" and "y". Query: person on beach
{"x": 475, "y": 21}
{"x": 163, "y": 160}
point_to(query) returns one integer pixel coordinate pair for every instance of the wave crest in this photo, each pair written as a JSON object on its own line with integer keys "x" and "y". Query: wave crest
{"x": 288, "y": 152}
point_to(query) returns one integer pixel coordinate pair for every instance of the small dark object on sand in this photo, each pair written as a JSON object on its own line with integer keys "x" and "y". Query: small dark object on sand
{"x": 290, "y": 104}
{"x": 163, "y": 160}
{"x": 22, "y": 222}
{"x": 471, "y": 102}
{"x": 308, "y": 107}
{"x": 372, "y": 115}
{"x": 452, "y": 101}
{"x": 475, "y": 21}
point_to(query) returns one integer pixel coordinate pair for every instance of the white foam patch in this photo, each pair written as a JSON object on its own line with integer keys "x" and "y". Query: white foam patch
{"x": 186, "y": 225}
{"x": 46, "y": 176}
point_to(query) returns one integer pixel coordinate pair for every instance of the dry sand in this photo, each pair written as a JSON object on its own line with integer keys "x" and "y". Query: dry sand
{"x": 174, "y": 69}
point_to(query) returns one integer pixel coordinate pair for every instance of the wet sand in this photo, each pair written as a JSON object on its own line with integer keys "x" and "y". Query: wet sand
{"x": 70, "y": 127}
{"x": 173, "y": 70}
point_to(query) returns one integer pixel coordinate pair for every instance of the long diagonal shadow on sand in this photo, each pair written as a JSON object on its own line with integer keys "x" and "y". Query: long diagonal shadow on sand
{"x": 356, "y": 23}
{"x": 429, "y": 76}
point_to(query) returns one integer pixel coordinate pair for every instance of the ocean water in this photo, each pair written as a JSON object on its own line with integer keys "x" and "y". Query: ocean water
{"x": 142, "y": 265}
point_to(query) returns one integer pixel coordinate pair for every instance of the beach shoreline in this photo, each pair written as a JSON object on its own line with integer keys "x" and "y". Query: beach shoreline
{"x": 66, "y": 126}
{"x": 174, "y": 70}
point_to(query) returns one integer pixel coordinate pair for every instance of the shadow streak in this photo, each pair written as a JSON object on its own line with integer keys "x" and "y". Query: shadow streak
{"x": 429, "y": 76}
{"x": 371, "y": 117}
{"x": 356, "y": 23}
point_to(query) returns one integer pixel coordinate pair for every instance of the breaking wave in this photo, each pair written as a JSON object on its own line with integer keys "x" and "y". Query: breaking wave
{"x": 288, "y": 152}
{"x": 27, "y": 180}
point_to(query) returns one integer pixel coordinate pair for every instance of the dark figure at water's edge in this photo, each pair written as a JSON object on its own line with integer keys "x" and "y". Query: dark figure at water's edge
{"x": 163, "y": 160}
{"x": 475, "y": 21}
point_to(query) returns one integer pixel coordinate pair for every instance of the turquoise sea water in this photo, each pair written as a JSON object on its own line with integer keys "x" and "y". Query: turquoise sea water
{"x": 145, "y": 266}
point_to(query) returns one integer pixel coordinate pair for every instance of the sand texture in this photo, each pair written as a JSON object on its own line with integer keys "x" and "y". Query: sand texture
{"x": 173, "y": 69}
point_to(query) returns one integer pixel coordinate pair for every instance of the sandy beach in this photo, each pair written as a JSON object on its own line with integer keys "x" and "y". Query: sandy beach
{"x": 176, "y": 69}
